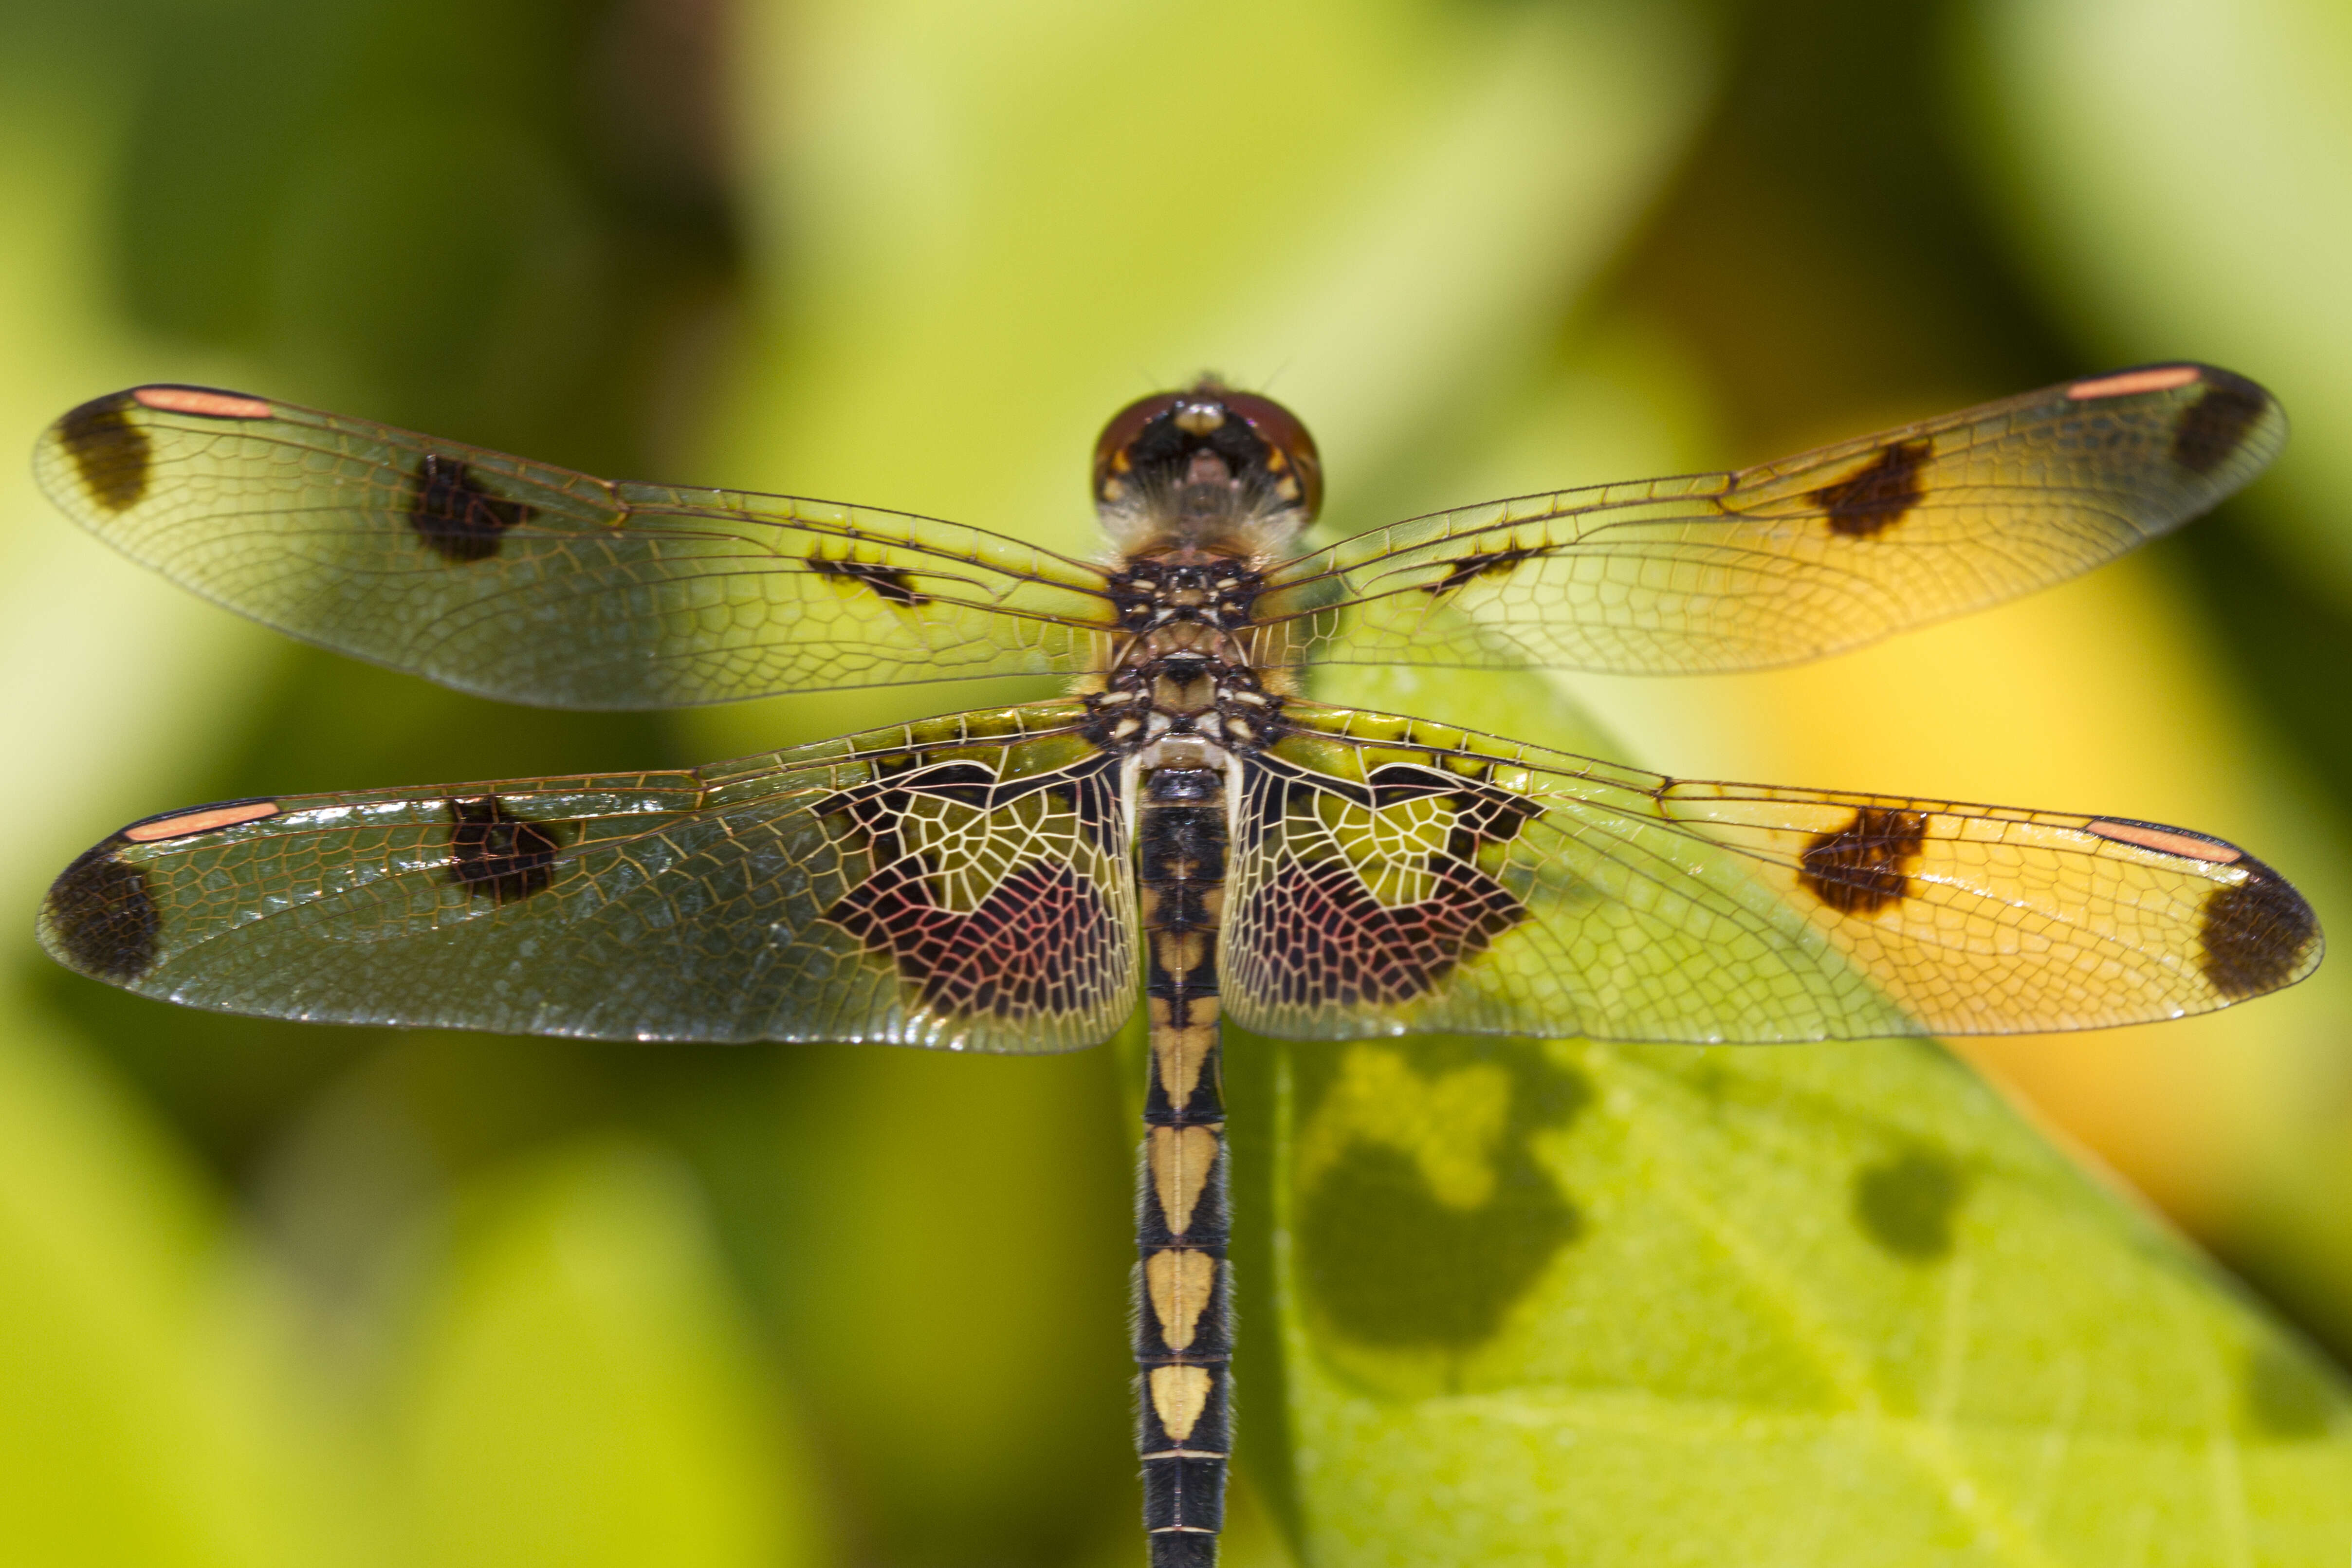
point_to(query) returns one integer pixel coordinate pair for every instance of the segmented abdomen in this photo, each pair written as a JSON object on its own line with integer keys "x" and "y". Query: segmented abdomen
{"x": 1183, "y": 1337}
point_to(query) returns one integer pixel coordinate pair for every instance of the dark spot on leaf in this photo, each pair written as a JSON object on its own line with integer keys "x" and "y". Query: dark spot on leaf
{"x": 110, "y": 452}
{"x": 1390, "y": 1265}
{"x": 1874, "y": 499}
{"x": 495, "y": 853}
{"x": 456, "y": 517}
{"x": 101, "y": 913}
{"x": 1388, "y": 1262}
{"x": 1907, "y": 1203}
{"x": 2287, "y": 1395}
{"x": 895, "y": 586}
{"x": 1865, "y": 865}
{"x": 2254, "y": 936}
{"x": 2215, "y": 425}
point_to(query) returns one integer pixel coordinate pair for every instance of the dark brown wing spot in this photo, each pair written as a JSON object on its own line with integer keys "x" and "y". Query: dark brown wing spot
{"x": 1327, "y": 939}
{"x": 2213, "y": 428}
{"x": 455, "y": 516}
{"x": 2255, "y": 936}
{"x": 111, "y": 453}
{"x": 1876, "y": 498}
{"x": 1866, "y": 867}
{"x": 101, "y": 914}
{"x": 1496, "y": 562}
{"x": 1035, "y": 945}
{"x": 495, "y": 853}
{"x": 894, "y": 585}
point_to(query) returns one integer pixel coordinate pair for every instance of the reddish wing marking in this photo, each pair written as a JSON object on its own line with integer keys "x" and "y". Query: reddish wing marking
{"x": 204, "y": 402}
{"x": 2124, "y": 382}
{"x": 1021, "y": 952}
{"x": 204, "y": 819}
{"x": 1323, "y": 934}
{"x": 2167, "y": 840}
{"x": 1338, "y": 943}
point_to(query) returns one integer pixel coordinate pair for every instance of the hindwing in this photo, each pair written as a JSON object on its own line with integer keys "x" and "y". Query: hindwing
{"x": 1390, "y": 875}
{"x": 962, "y": 883}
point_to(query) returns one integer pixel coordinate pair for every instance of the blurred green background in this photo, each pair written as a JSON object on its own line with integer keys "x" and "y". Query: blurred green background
{"x": 275, "y": 1295}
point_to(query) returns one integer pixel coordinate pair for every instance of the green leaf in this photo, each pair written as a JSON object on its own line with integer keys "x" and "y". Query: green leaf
{"x": 584, "y": 1394}
{"x": 1817, "y": 1305}
{"x": 143, "y": 1420}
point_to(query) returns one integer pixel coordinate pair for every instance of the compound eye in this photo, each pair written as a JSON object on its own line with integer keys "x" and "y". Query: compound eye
{"x": 1113, "y": 461}
{"x": 1292, "y": 453}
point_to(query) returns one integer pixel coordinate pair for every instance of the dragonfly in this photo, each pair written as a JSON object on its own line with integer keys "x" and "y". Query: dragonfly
{"x": 1186, "y": 828}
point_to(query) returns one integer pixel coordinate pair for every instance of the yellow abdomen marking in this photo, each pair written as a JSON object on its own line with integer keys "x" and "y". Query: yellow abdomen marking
{"x": 1178, "y": 1282}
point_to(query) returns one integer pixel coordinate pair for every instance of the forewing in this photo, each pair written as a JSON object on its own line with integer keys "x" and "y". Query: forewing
{"x": 962, "y": 883}
{"x": 1392, "y": 875}
{"x": 534, "y": 584}
{"x": 1789, "y": 560}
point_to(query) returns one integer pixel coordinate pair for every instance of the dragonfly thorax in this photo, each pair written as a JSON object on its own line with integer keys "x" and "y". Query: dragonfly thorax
{"x": 1155, "y": 593}
{"x": 1182, "y": 692}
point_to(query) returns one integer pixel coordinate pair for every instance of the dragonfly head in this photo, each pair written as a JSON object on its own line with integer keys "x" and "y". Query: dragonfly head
{"x": 1206, "y": 468}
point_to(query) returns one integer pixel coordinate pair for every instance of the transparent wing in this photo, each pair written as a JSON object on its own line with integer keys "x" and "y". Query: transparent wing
{"x": 1391, "y": 876}
{"x": 1789, "y": 560}
{"x": 962, "y": 883}
{"x": 531, "y": 583}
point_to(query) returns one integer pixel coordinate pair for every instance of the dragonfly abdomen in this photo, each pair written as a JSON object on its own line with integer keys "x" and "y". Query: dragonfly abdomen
{"x": 1183, "y": 1332}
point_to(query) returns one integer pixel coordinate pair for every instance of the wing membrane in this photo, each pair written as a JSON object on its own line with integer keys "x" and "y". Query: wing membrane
{"x": 534, "y": 584}
{"x": 1392, "y": 875}
{"x": 960, "y": 883}
{"x": 1789, "y": 560}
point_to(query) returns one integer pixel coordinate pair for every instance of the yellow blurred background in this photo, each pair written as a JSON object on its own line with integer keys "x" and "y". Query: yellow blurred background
{"x": 275, "y": 1295}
